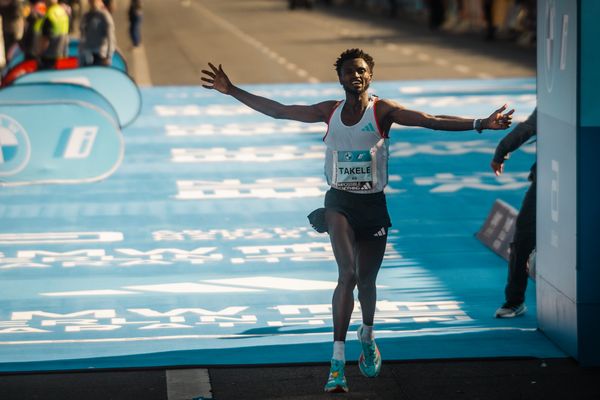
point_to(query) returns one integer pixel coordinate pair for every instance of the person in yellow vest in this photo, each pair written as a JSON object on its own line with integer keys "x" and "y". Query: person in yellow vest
{"x": 53, "y": 35}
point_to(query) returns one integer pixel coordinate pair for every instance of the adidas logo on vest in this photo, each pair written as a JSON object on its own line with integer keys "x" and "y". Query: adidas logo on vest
{"x": 368, "y": 128}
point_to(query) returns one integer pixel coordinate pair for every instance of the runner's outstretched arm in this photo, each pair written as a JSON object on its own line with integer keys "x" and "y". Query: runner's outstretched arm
{"x": 218, "y": 80}
{"x": 394, "y": 113}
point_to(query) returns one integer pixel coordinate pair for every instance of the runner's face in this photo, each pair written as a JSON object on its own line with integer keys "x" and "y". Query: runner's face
{"x": 355, "y": 76}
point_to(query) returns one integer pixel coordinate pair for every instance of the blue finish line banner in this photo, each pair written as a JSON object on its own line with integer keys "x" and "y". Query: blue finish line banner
{"x": 68, "y": 134}
{"x": 197, "y": 251}
{"x": 116, "y": 86}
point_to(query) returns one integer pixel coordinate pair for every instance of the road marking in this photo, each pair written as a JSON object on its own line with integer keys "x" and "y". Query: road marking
{"x": 484, "y": 75}
{"x": 245, "y": 37}
{"x": 406, "y": 51}
{"x": 462, "y": 68}
{"x": 140, "y": 68}
{"x": 186, "y": 384}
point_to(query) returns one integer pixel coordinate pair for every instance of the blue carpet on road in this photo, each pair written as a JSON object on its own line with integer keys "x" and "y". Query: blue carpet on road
{"x": 197, "y": 251}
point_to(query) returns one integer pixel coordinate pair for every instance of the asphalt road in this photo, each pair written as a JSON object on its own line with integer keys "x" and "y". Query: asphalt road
{"x": 262, "y": 41}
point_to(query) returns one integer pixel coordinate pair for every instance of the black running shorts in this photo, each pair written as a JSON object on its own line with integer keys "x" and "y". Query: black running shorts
{"x": 366, "y": 213}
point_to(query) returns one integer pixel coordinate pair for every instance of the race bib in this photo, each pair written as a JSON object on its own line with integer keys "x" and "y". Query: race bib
{"x": 353, "y": 170}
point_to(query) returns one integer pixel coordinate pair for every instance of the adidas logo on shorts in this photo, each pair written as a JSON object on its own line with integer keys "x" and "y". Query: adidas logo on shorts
{"x": 380, "y": 233}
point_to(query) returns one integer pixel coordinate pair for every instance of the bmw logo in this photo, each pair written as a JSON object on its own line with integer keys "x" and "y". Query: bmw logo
{"x": 15, "y": 149}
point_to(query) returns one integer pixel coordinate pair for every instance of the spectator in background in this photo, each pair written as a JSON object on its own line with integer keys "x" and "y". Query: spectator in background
{"x": 135, "y": 22}
{"x": 34, "y": 14}
{"x": 488, "y": 14}
{"x": 97, "y": 30}
{"x": 11, "y": 14}
{"x": 437, "y": 13}
{"x": 523, "y": 242}
{"x": 52, "y": 35}
{"x": 76, "y": 12}
{"x": 67, "y": 6}
{"x": 111, "y": 5}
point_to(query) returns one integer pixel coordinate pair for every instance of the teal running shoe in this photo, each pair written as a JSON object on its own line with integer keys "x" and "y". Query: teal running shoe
{"x": 337, "y": 381}
{"x": 369, "y": 361}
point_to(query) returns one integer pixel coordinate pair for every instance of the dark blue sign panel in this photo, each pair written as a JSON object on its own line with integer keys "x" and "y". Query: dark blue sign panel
{"x": 114, "y": 85}
{"x": 52, "y": 142}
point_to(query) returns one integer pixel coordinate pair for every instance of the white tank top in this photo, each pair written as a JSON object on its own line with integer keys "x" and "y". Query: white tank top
{"x": 356, "y": 159}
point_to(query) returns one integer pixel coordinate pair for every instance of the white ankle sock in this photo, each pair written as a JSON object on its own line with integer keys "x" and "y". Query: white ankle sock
{"x": 366, "y": 333}
{"x": 339, "y": 350}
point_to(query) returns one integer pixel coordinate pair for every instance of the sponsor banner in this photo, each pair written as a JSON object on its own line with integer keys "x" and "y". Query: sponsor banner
{"x": 48, "y": 92}
{"x": 118, "y": 61}
{"x": 57, "y": 142}
{"x": 114, "y": 85}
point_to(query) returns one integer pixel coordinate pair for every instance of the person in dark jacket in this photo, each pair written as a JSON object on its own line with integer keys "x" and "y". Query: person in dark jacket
{"x": 523, "y": 242}
{"x": 97, "y": 31}
{"x": 135, "y": 15}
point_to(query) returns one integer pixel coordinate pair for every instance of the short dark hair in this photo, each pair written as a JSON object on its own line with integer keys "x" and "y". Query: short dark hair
{"x": 351, "y": 54}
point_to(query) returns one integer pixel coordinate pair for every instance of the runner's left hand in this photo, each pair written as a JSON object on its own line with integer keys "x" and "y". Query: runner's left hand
{"x": 498, "y": 119}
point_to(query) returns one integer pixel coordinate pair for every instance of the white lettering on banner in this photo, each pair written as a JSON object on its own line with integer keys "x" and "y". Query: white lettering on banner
{"x": 386, "y": 312}
{"x": 246, "y": 154}
{"x": 284, "y": 188}
{"x": 81, "y": 141}
{"x": 147, "y": 319}
{"x": 196, "y": 256}
{"x": 44, "y": 258}
{"x": 448, "y": 183}
{"x": 296, "y": 92}
{"x": 554, "y": 204}
{"x": 29, "y": 315}
{"x": 301, "y": 92}
{"x": 12, "y": 327}
{"x": 195, "y": 110}
{"x": 272, "y": 188}
{"x": 447, "y": 148}
{"x": 237, "y": 234}
{"x": 77, "y": 80}
{"x": 497, "y": 217}
{"x": 292, "y": 153}
{"x": 127, "y": 257}
{"x": 99, "y": 258}
{"x": 55, "y": 322}
{"x": 60, "y": 237}
{"x": 178, "y": 312}
{"x": 407, "y": 149}
{"x": 446, "y": 102}
{"x": 89, "y": 327}
{"x": 277, "y": 283}
{"x": 249, "y": 129}
{"x": 554, "y": 191}
{"x": 252, "y": 284}
{"x": 297, "y": 252}
{"x": 228, "y": 322}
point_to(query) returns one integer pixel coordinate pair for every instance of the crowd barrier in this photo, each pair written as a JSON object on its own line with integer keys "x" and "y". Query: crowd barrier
{"x": 57, "y": 133}
{"x": 117, "y": 87}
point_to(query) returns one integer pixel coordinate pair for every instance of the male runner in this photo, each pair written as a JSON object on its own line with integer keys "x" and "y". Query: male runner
{"x": 355, "y": 213}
